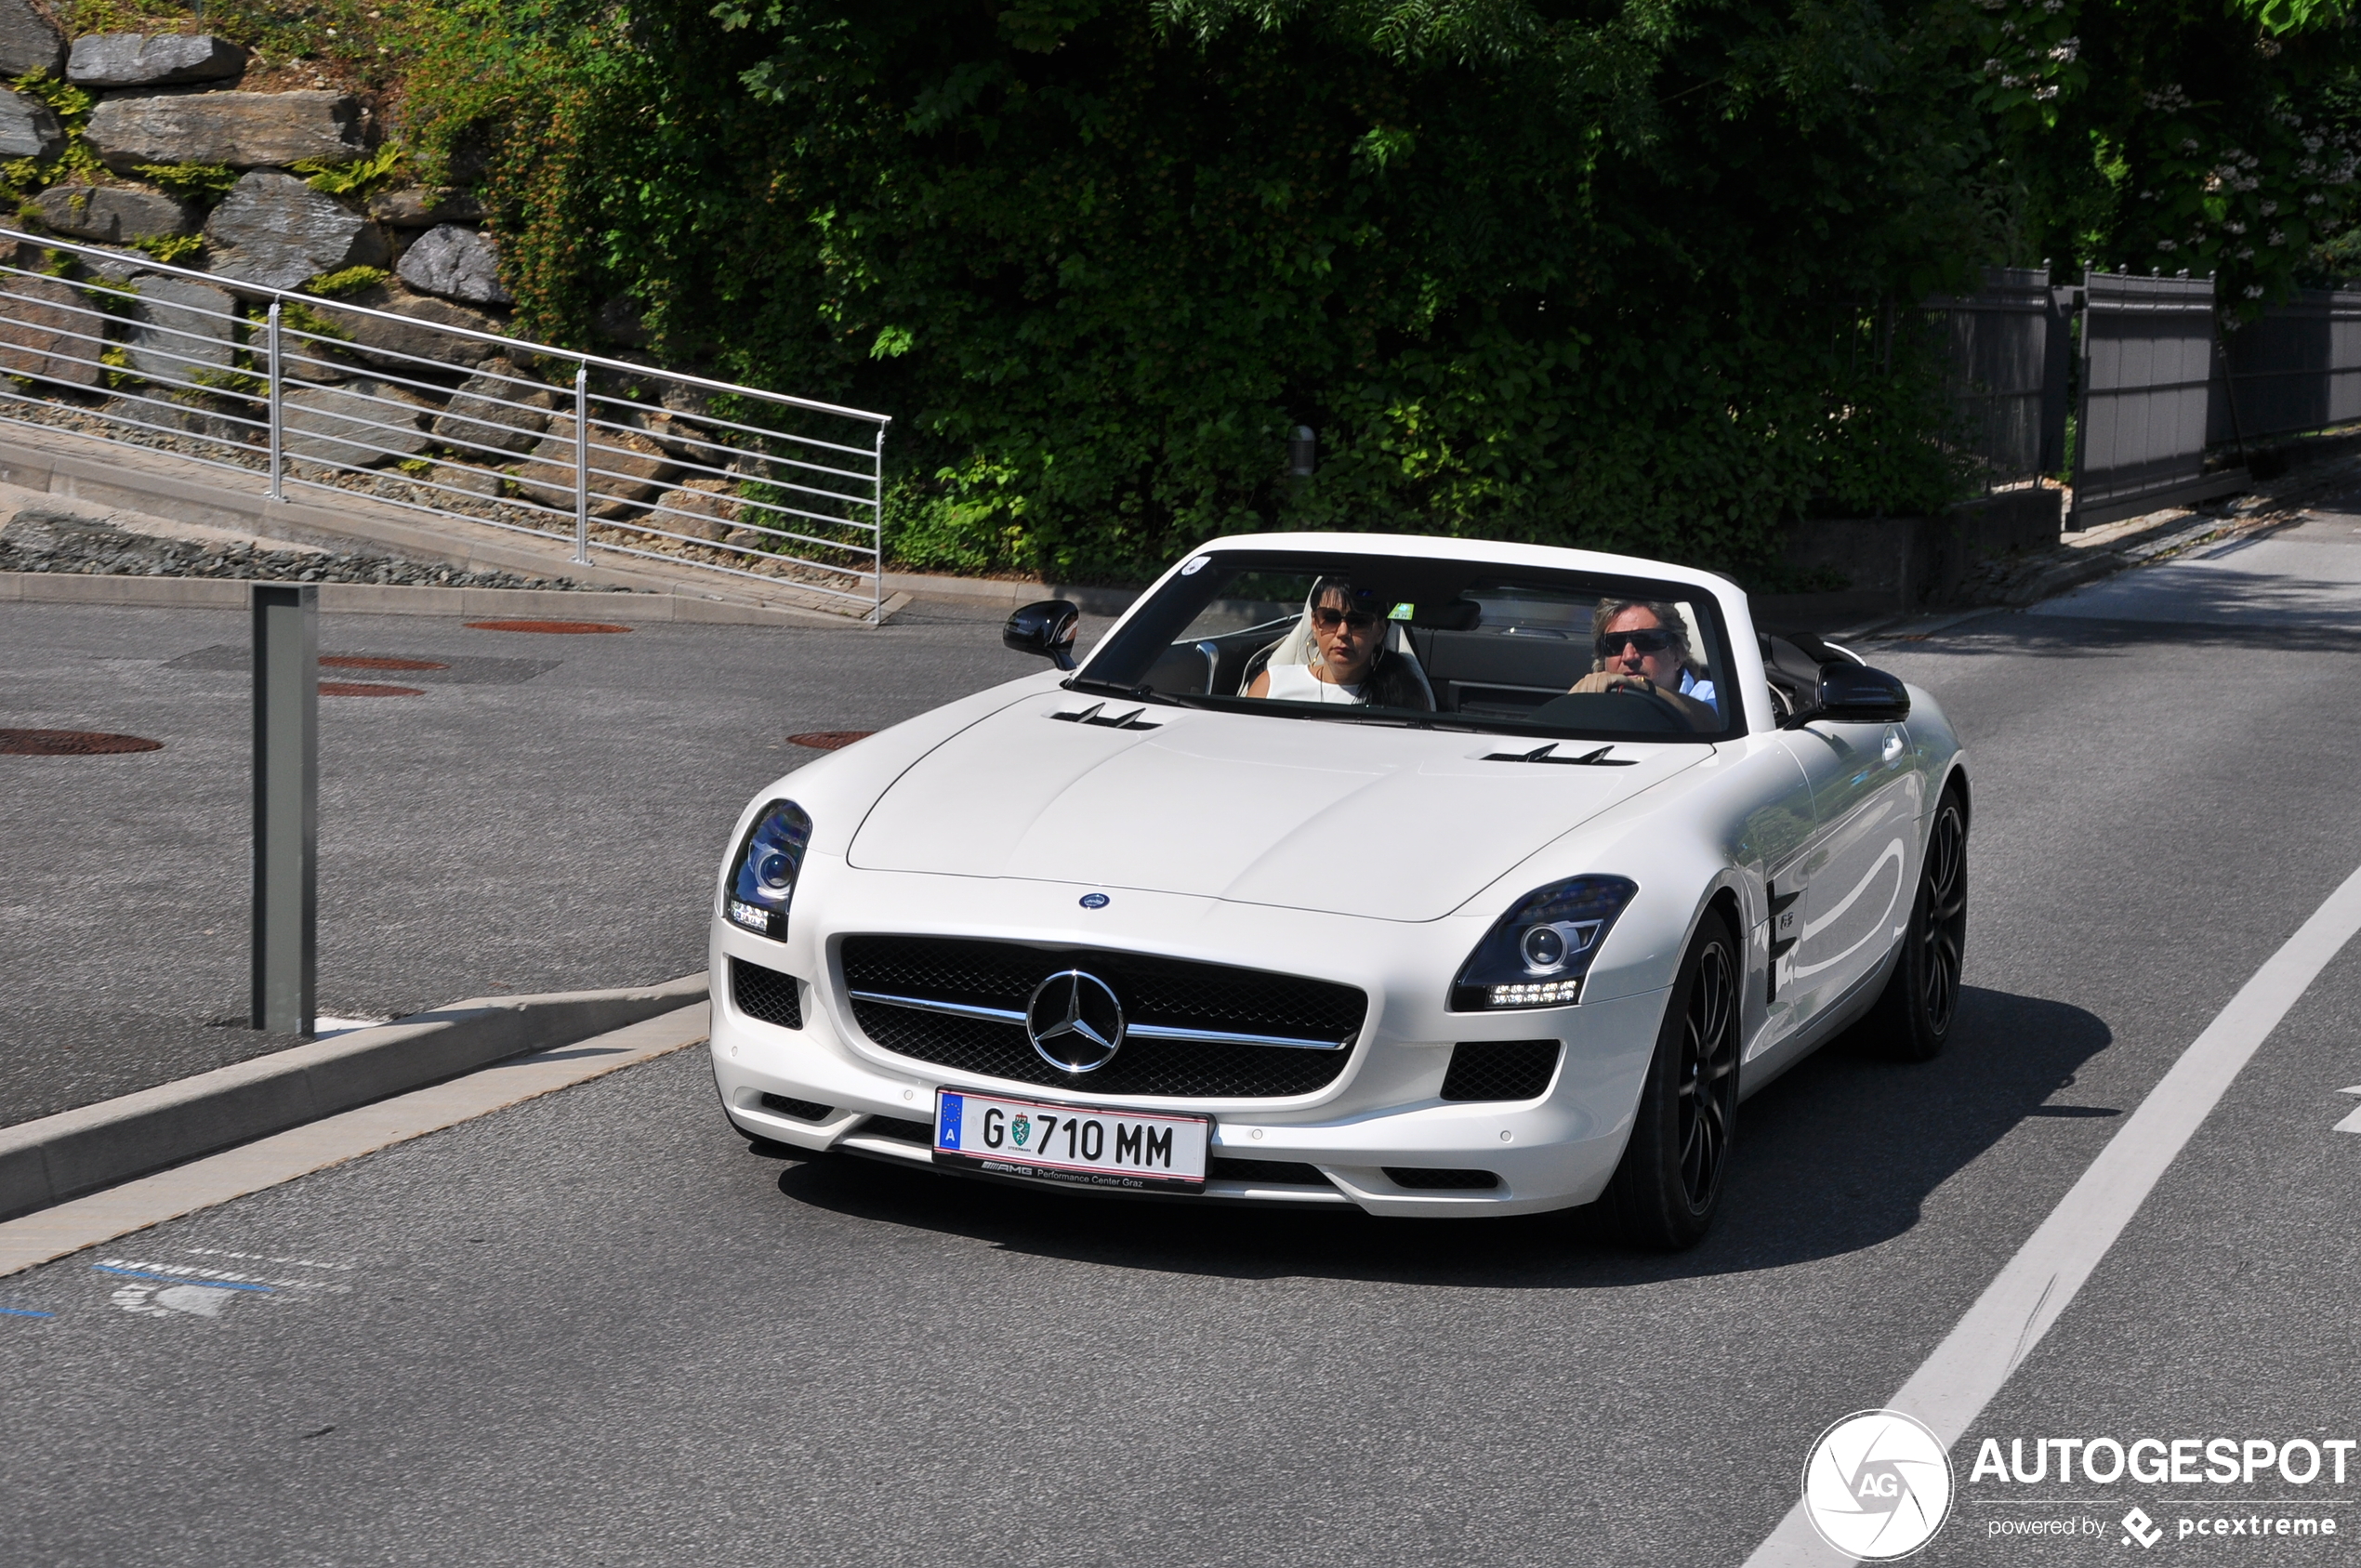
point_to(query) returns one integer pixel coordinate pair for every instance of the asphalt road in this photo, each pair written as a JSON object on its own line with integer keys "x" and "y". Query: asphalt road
{"x": 594, "y": 1329}
{"x": 544, "y": 815}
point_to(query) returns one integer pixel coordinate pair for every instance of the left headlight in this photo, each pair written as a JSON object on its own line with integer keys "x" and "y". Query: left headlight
{"x": 1536, "y": 954}
{"x": 762, "y": 877}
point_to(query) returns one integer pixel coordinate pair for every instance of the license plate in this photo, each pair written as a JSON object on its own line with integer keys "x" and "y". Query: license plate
{"x": 1042, "y": 1140}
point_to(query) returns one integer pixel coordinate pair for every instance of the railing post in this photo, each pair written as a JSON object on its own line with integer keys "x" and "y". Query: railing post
{"x": 582, "y": 463}
{"x": 277, "y": 402}
{"x": 876, "y": 516}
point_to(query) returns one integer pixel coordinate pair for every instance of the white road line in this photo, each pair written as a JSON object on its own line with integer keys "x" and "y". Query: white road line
{"x": 2352, "y": 1122}
{"x": 2027, "y": 1296}
{"x": 68, "y": 1227}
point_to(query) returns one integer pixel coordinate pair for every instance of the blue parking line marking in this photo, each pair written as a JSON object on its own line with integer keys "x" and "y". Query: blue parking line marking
{"x": 183, "y": 1279}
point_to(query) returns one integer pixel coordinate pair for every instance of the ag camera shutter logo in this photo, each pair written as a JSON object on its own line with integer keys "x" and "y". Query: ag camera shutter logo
{"x": 1877, "y": 1485}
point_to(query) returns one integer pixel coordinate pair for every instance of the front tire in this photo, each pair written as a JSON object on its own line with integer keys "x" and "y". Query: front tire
{"x": 1664, "y": 1194}
{"x": 1913, "y": 1016}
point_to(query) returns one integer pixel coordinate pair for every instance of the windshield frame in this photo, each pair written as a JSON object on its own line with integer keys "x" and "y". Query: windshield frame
{"x": 1157, "y": 622}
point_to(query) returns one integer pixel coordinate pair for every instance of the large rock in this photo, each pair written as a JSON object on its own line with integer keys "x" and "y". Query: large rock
{"x": 456, "y": 264}
{"x": 409, "y": 333}
{"x": 274, "y": 231}
{"x": 27, "y": 127}
{"x": 628, "y": 468}
{"x": 48, "y": 328}
{"x": 115, "y": 213}
{"x": 245, "y": 130}
{"x": 420, "y": 208}
{"x": 363, "y": 424}
{"x": 134, "y": 59}
{"x": 29, "y": 40}
{"x": 180, "y": 330}
{"x": 491, "y": 413}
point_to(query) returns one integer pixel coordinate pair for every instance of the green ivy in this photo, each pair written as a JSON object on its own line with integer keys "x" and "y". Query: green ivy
{"x": 170, "y": 248}
{"x": 352, "y": 280}
{"x": 357, "y": 177}
{"x": 191, "y": 183}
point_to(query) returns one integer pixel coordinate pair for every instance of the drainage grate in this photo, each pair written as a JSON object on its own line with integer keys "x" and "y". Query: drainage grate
{"x": 374, "y": 661}
{"x": 830, "y": 740}
{"x": 1439, "y": 1179}
{"x": 568, "y": 628}
{"x": 365, "y": 689}
{"x": 70, "y": 743}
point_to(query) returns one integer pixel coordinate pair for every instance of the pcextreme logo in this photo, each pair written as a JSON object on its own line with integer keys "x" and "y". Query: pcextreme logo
{"x": 1877, "y": 1485}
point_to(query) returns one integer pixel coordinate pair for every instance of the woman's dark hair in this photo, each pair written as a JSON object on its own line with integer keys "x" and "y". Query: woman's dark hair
{"x": 1390, "y": 682}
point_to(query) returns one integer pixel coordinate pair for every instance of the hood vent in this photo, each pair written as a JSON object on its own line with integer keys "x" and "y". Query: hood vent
{"x": 1093, "y": 715}
{"x": 1597, "y": 758}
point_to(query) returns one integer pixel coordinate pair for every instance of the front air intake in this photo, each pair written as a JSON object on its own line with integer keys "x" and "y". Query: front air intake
{"x": 1439, "y": 1179}
{"x": 1501, "y": 1069}
{"x": 766, "y": 994}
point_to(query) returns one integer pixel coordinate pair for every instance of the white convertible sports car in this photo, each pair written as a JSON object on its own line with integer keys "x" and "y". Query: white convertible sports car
{"x": 1432, "y": 876}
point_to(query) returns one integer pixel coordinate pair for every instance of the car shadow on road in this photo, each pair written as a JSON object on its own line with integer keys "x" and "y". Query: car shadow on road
{"x": 1836, "y": 1156}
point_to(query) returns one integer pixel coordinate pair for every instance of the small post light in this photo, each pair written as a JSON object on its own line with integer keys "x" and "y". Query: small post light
{"x": 1303, "y": 447}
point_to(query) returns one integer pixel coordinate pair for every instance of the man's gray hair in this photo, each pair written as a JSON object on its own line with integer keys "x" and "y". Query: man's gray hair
{"x": 1667, "y": 615}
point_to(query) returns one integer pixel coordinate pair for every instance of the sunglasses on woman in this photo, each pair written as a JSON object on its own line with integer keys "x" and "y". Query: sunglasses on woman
{"x": 1654, "y": 640}
{"x": 1328, "y": 619}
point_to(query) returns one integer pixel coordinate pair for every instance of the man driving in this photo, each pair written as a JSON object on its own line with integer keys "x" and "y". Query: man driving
{"x": 1644, "y": 646}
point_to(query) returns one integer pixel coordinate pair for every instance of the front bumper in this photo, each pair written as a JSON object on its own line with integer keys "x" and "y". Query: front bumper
{"x": 1385, "y": 1110}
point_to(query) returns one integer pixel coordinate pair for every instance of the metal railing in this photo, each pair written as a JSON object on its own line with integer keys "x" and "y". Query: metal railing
{"x": 302, "y": 391}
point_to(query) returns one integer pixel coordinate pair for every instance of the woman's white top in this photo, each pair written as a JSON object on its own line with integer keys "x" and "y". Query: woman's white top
{"x": 1296, "y": 683}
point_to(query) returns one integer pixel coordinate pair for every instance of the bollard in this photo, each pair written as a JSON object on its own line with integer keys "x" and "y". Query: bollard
{"x": 286, "y": 804}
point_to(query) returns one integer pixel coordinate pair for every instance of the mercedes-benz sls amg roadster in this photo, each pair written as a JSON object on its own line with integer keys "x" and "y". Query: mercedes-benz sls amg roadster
{"x": 1436, "y": 877}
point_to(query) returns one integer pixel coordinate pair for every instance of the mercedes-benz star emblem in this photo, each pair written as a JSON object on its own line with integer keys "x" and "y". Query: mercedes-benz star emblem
{"x": 1075, "y": 1021}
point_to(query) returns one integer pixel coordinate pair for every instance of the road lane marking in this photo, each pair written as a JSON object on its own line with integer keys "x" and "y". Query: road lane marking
{"x": 2352, "y": 1122}
{"x": 51, "y": 1233}
{"x": 1954, "y": 1385}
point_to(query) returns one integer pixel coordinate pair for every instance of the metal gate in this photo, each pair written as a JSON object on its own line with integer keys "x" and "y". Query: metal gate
{"x": 2147, "y": 374}
{"x": 2295, "y": 368}
{"x": 292, "y": 391}
{"x": 1995, "y": 344}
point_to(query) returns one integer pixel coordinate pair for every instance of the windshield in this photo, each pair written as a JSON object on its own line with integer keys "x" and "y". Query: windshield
{"x": 1397, "y": 639}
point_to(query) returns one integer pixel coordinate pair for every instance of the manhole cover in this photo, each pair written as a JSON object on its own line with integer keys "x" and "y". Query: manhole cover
{"x": 70, "y": 743}
{"x": 365, "y": 689}
{"x": 830, "y": 740}
{"x": 374, "y": 661}
{"x": 567, "y": 627}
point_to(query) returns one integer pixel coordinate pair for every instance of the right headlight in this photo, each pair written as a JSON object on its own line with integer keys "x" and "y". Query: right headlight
{"x": 762, "y": 878}
{"x": 1536, "y": 953}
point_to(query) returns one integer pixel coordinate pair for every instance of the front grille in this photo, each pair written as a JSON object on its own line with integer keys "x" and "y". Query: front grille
{"x": 1500, "y": 1069}
{"x": 765, "y": 994}
{"x": 1439, "y": 1179}
{"x": 1166, "y": 991}
{"x": 900, "y": 1131}
{"x": 1266, "y": 1173}
{"x": 801, "y": 1110}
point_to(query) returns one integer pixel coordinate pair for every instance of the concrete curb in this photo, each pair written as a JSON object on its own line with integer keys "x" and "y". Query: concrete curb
{"x": 398, "y": 598}
{"x": 58, "y": 1157}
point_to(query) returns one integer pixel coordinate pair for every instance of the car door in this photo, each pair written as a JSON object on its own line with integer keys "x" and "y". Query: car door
{"x": 1856, "y": 874}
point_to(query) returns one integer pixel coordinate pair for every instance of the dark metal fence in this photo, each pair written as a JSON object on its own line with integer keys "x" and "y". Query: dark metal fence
{"x": 1996, "y": 345}
{"x": 2147, "y": 384}
{"x": 2298, "y": 368}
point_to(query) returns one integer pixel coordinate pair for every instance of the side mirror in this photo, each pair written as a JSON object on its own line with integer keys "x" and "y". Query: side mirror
{"x": 1857, "y": 695}
{"x": 1045, "y": 628}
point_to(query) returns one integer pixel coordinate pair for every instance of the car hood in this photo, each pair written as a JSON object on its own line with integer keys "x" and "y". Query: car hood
{"x": 1336, "y": 816}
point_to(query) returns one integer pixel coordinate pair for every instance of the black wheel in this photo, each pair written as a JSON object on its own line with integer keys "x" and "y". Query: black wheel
{"x": 1664, "y": 1194}
{"x": 1913, "y": 1016}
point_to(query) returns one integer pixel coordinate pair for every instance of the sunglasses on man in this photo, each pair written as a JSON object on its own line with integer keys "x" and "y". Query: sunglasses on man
{"x": 1654, "y": 640}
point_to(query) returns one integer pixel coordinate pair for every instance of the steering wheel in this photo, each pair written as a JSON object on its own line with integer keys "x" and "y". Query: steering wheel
{"x": 1646, "y": 691}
